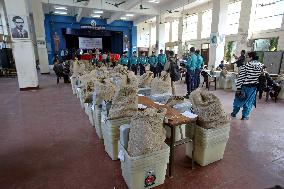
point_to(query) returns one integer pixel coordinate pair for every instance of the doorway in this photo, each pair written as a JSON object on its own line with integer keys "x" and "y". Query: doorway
{"x": 205, "y": 53}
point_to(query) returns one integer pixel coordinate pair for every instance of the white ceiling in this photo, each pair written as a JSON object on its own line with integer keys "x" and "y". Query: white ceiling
{"x": 85, "y": 9}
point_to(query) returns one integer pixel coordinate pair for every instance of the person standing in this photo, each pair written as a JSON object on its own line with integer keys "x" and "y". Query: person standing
{"x": 199, "y": 67}
{"x": 58, "y": 69}
{"x": 240, "y": 60}
{"x": 153, "y": 61}
{"x": 134, "y": 62}
{"x": 190, "y": 71}
{"x": 124, "y": 59}
{"x": 173, "y": 69}
{"x": 247, "y": 86}
{"x": 142, "y": 60}
{"x": 162, "y": 59}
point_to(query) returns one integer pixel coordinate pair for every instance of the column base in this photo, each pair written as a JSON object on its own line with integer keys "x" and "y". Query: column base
{"x": 29, "y": 88}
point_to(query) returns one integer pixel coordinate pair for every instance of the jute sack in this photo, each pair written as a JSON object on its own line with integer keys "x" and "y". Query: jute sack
{"x": 147, "y": 133}
{"x": 105, "y": 90}
{"x": 209, "y": 109}
{"x": 88, "y": 91}
{"x": 145, "y": 80}
{"x": 161, "y": 85}
{"x": 125, "y": 101}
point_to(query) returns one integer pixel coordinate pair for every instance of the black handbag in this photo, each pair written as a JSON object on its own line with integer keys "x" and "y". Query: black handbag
{"x": 240, "y": 94}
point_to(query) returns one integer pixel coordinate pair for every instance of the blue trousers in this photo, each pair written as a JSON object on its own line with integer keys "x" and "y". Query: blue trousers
{"x": 197, "y": 78}
{"x": 190, "y": 80}
{"x": 246, "y": 103}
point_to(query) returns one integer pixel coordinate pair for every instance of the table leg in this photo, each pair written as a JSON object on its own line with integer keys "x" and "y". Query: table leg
{"x": 172, "y": 145}
{"x": 193, "y": 146}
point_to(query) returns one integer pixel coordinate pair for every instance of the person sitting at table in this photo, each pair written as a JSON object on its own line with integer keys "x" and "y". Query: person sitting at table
{"x": 221, "y": 65}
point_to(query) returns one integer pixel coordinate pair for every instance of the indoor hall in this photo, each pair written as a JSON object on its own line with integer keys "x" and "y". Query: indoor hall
{"x": 141, "y": 94}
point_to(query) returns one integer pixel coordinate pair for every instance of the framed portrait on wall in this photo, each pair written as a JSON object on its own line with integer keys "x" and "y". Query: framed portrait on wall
{"x": 19, "y": 27}
{"x": 214, "y": 39}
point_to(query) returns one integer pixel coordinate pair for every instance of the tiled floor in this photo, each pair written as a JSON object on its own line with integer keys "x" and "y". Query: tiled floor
{"x": 46, "y": 142}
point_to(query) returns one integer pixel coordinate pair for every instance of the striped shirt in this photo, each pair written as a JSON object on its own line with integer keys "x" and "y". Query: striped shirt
{"x": 249, "y": 74}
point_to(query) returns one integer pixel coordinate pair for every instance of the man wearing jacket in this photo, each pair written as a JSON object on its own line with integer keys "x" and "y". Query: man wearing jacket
{"x": 162, "y": 59}
{"x": 153, "y": 61}
{"x": 124, "y": 59}
{"x": 134, "y": 62}
{"x": 190, "y": 71}
{"x": 199, "y": 67}
{"x": 142, "y": 60}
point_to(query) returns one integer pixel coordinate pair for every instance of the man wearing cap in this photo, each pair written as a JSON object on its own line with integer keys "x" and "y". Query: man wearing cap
{"x": 134, "y": 62}
{"x": 153, "y": 61}
{"x": 162, "y": 59}
{"x": 142, "y": 60}
{"x": 124, "y": 59}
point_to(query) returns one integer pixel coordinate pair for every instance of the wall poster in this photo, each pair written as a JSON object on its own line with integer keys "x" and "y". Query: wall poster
{"x": 19, "y": 27}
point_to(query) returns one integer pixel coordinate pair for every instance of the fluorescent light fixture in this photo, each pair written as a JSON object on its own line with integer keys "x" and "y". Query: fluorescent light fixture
{"x": 129, "y": 15}
{"x": 154, "y": 1}
{"x": 60, "y": 12}
{"x": 96, "y": 15}
{"x": 60, "y": 8}
{"x": 122, "y": 18}
{"x": 98, "y": 12}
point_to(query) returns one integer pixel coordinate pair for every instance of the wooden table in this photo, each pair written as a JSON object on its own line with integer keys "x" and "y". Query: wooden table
{"x": 175, "y": 119}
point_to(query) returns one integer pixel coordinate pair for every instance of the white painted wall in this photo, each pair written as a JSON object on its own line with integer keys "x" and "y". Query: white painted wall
{"x": 23, "y": 51}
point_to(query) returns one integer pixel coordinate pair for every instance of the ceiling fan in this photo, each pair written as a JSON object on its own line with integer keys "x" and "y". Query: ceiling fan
{"x": 171, "y": 11}
{"x": 116, "y": 4}
{"x": 78, "y": 1}
{"x": 142, "y": 7}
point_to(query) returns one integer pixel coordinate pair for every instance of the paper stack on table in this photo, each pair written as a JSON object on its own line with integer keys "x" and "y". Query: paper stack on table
{"x": 141, "y": 106}
{"x": 189, "y": 114}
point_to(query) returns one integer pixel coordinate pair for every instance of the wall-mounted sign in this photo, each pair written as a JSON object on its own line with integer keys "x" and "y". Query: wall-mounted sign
{"x": 19, "y": 27}
{"x": 90, "y": 43}
{"x": 93, "y": 23}
{"x": 92, "y": 27}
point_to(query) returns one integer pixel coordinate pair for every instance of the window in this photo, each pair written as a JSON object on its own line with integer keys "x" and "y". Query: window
{"x": 153, "y": 35}
{"x": 167, "y": 32}
{"x": 190, "y": 27}
{"x": 1, "y": 25}
{"x": 233, "y": 16}
{"x": 268, "y": 14}
{"x": 206, "y": 23}
{"x": 175, "y": 30}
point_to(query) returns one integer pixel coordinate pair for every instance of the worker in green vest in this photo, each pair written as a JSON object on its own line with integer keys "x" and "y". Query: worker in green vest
{"x": 199, "y": 67}
{"x": 134, "y": 62}
{"x": 124, "y": 59}
{"x": 142, "y": 61}
{"x": 162, "y": 59}
{"x": 153, "y": 61}
{"x": 190, "y": 71}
